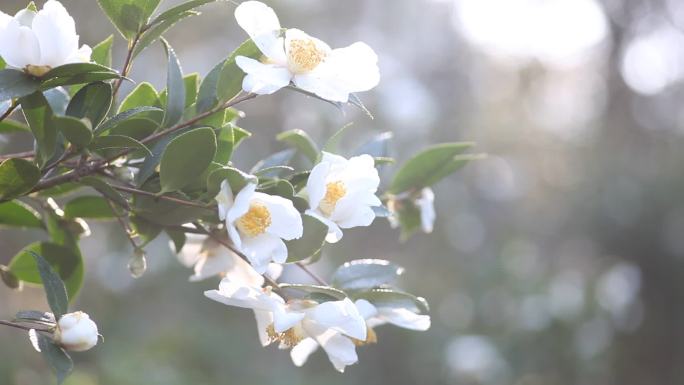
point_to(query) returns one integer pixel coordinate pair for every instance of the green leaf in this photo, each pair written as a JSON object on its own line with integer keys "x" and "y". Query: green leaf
{"x": 300, "y": 140}
{"x": 105, "y": 189}
{"x": 191, "y": 82}
{"x": 124, "y": 116}
{"x": 158, "y": 29}
{"x": 56, "y": 357}
{"x": 9, "y": 279}
{"x": 363, "y": 274}
{"x": 102, "y": 52}
{"x": 17, "y": 177}
{"x": 12, "y": 126}
{"x": 128, "y": 16}
{"x": 225, "y": 141}
{"x": 76, "y": 131}
{"x": 88, "y": 207}
{"x": 76, "y": 73}
{"x": 117, "y": 141}
{"x": 92, "y": 102}
{"x": 19, "y": 214}
{"x": 39, "y": 115}
{"x": 310, "y": 243}
{"x": 64, "y": 260}
{"x": 384, "y": 297}
{"x": 175, "y": 87}
{"x": 187, "y": 156}
{"x": 146, "y": 230}
{"x": 230, "y": 80}
{"x": 430, "y": 166}
{"x": 54, "y": 287}
{"x": 237, "y": 180}
{"x": 281, "y": 158}
{"x": 166, "y": 213}
{"x": 179, "y": 9}
{"x": 178, "y": 238}
{"x": 409, "y": 218}
{"x": 326, "y": 293}
{"x": 32, "y": 7}
{"x": 15, "y": 84}
{"x": 377, "y": 146}
{"x": 2, "y": 63}
{"x": 331, "y": 144}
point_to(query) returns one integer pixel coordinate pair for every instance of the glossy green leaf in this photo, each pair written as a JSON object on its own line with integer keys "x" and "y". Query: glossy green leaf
{"x": 64, "y": 260}
{"x": 92, "y": 102}
{"x": 105, "y": 189}
{"x": 395, "y": 299}
{"x": 59, "y": 361}
{"x": 54, "y": 287}
{"x": 102, "y": 52}
{"x": 121, "y": 117}
{"x": 128, "y": 16}
{"x": 225, "y": 141}
{"x": 38, "y": 114}
{"x": 17, "y": 177}
{"x": 117, "y": 141}
{"x": 146, "y": 230}
{"x": 430, "y": 166}
{"x": 76, "y": 73}
{"x": 310, "y": 243}
{"x": 158, "y": 29}
{"x": 175, "y": 88}
{"x": 178, "y": 238}
{"x": 15, "y": 84}
{"x": 19, "y": 214}
{"x": 300, "y": 140}
{"x": 187, "y": 156}
{"x": 281, "y": 158}
{"x": 88, "y": 207}
{"x": 8, "y": 126}
{"x": 327, "y": 293}
{"x": 237, "y": 180}
{"x": 76, "y": 131}
{"x": 191, "y": 82}
{"x": 365, "y": 274}
{"x": 177, "y": 10}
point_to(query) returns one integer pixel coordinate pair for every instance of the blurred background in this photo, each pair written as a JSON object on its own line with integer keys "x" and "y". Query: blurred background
{"x": 557, "y": 260}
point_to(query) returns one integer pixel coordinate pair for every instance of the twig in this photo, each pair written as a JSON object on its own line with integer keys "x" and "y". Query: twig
{"x": 312, "y": 274}
{"x": 123, "y": 224}
{"x": 9, "y": 111}
{"x": 25, "y": 154}
{"x": 18, "y": 326}
{"x": 128, "y": 64}
{"x": 163, "y": 197}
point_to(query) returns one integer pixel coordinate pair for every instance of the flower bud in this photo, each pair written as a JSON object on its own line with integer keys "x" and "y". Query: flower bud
{"x": 76, "y": 332}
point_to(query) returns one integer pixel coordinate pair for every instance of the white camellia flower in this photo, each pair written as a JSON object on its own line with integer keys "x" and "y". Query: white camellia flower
{"x": 209, "y": 258}
{"x": 257, "y": 223}
{"x": 39, "y": 41}
{"x": 295, "y": 57}
{"x": 426, "y": 204}
{"x": 299, "y": 323}
{"x": 374, "y": 317}
{"x": 342, "y": 193}
{"x": 76, "y": 332}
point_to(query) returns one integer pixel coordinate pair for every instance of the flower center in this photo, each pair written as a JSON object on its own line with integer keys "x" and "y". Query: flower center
{"x": 290, "y": 337}
{"x": 371, "y": 338}
{"x": 256, "y": 221}
{"x": 37, "y": 71}
{"x": 333, "y": 193}
{"x": 303, "y": 55}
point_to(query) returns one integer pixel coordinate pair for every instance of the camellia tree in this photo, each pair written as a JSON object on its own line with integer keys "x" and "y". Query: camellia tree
{"x": 160, "y": 162}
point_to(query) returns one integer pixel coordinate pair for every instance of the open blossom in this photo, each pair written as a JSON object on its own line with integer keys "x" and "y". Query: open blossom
{"x": 40, "y": 41}
{"x": 342, "y": 193}
{"x": 295, "y": 57}
{"x": 257, "y": 223}
{"x": 373, "y": 316}
{"x": 76, "y": 332}
{"x": 299, "y": 323}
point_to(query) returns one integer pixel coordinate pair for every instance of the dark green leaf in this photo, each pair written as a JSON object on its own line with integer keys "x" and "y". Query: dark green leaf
{"x": 105, "y": 189}
{"x": 117, "y": 141}
{"x": 88, "y": 207}
{"x": 409, "y": 218}
{"x": 56, "y": 357}
{"x": 54, "y": 287}
{"x": 102, "y": 53}
{"x": 35, "y": 315}
{"x": 328, "y": 293}
{"x": 65, "y": 261}
{"x": 224, "y": 144}
{"x": 17, "y": 177}
{"x": 177, "y": 10}
{"x": 430, "y": 166}
{"x": 365, "y": 274}
{"x": 76, "y": 73}
{"x": 76, "y": 131}
{"x": 9, "y": 279}
{"x": 175, "y": 87}
{"x": 281, "y": 158}
{"x": 15, "y": 84}
{"x": 12, "y": 126}
{"x": 237, "y": 180}
{"x": 146, "y": 230}
{"x": 128, "y": 16}
{"x": 124, "y": 116}
{"x": 178, "y": 238}
{"x": 19, "y": 214}
{"x": 384, "y": 297}
{"x": 58, "y": 98}
{"x": 158, "y": 29}
{"x": 300, "y": 140}
{"x": 230, "y": 79}
{"x": 39, "y": 115}
{"x": 310, "y": 243}
{"x": 92, "y": 102}
{"x": 187, "y": 156}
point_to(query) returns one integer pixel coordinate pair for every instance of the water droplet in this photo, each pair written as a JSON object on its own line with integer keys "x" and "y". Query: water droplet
{"x": 138, "y": 264}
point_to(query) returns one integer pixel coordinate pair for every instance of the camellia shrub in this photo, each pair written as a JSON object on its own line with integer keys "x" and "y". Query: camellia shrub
{"x": 161, "y": 162}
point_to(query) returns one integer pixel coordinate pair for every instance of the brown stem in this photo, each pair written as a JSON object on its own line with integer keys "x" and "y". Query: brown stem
{"x": 25, "y": 154}
{"x": 312, "y": 274}
{"x": 163, "y": 197}
{"x": 128, "y": 63}
{"x": 22, "y": 327}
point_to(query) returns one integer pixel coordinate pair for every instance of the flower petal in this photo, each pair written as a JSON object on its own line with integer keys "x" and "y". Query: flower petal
{"x": 286, "y": 222}
{"x": 256, "y": 18}
{"x": 240, "y": 206}
{"x": 322, "y": 83}
{"x": 316, "y": 184}
{"x": 262, "y": 79}
{"x": 350, "y": 212}
{"x": 301, "y": 352}
{"x": 356, "y": 67}
{"x": 341, "y": 350}
{"x": 342, "y": 316}
{"x": 366, "y": 309}
{"x": 56, "y": 33}
{"x": 19, "y": 46}
{"x": 263, "y": 249}
{"x": 405, "y": 318}
{"x": 263, "y": 320}
{"x": 224, "y": 199}
{"x": 213, "y": 263}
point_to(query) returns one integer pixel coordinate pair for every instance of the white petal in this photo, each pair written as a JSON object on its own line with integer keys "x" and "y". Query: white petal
{"x": 213, "y": 263}
{"x": 192, "y": 250}
{"x": 334, "y": 231}
{"x": 263, "y": 249}
{"x": 81, "y": 56}
{"x": 333, "y": 158}
{"x": 405, "y": 318}
{"x": 240, "y": 206}
{"x": 25, "y": 17}
{"x": 263, "y": 320}
{"x": 366, "y": 309}
{"x": 256, "y": 18}
{"x": 4, "y": 19}
{"x": 348, "y": 214}
{"x": 426, "y": 204}
{"x": 342, "y": 316}
{"x": 322, "y": 83}
{"x": 19, "y": 46}
{"x": 341, "y": 350}
{"x": 262, "y": 79}
{"x": 301, "y": 352}
{"x": 56, "y": 33}
{"x": 224, "y": 199}
{"x": 356, "y": 67}
{"x": 284, "y": 319}
{"x": 286, "y": 222}
{"x": 316, "y": 184}
{"x": 234, "y": 235}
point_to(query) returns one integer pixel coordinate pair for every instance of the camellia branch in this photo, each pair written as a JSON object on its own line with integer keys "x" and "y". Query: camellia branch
{"x": 131, "y": 190}
{"x": 25, "y": 154}
{"x": 128, "y": 64}
{"x": 23, "y": 327}
{"x": 312, "y": 274}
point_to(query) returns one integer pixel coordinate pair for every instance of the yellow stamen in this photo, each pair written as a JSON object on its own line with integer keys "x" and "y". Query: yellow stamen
{"x": 256, "y": 221}
{"x": 290, "y": 337}
{"x": 371, "y": 338}
{"x": 304, "y": 55}
{"x": 333, "y": 193}
{"x": 37, "y": 71}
